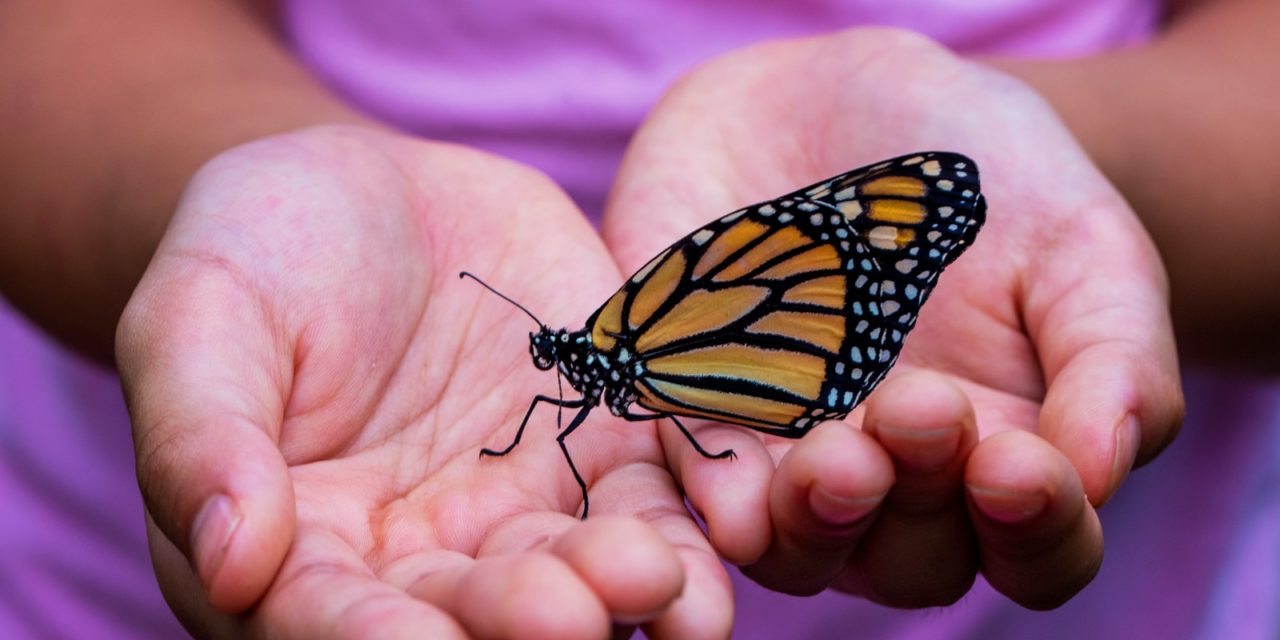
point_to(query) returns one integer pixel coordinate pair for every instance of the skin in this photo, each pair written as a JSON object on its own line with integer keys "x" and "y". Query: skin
{"x": 241, "y": 386}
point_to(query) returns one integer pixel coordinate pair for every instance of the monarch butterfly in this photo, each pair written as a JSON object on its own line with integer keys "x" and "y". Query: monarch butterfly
{"x": 776, "y": 316}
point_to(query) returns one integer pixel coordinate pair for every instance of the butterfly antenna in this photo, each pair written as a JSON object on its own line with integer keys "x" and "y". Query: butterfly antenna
{"x": 464, "y": 274}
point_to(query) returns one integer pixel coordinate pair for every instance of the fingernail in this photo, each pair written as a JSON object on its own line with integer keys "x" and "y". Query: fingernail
{"x": 1127, "y": 434}
{"x": 1009, "y": 507}
{"x": 839, "y": 510}
{"x": 211, "y": 535}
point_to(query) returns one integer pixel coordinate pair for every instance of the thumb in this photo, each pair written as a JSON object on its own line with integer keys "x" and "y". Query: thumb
{"x": 205, "y": 395}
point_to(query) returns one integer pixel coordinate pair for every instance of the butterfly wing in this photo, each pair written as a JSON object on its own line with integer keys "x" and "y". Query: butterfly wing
{"x": 789, "y": 312}
{"x": 915, "y": 214}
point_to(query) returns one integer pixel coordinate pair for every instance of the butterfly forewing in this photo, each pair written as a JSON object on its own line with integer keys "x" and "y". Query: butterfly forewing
{"x": 789, "y": 312}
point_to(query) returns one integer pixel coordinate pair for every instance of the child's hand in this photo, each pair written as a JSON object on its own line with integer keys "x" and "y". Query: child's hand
{"x": 1049, "y": 341}
{"x": 301, "y": 346}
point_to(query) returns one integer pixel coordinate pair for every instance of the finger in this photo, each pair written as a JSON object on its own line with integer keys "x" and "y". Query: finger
{"x": 560, "y": 577}
{"x": 1040, "y": 540}
{"x": 521, "y": 595}
{"x": 326, "y": 591}
{"x": 1102, "y": 329}
{"x": 204, "y": 411}
{"x": 183, "y": 592}
{"x": 658, "y": 570}
{"x": 633, "y": 571}
{"x": 822, "y": 495}
{"x": 703, "y": 607}
{"x": 921, "y": 551}
{"x": 619, "y": 552}
{"x": 731, "y": 494}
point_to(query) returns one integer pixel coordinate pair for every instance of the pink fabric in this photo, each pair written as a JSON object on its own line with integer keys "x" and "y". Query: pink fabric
{"x": 560, "y": 85}
{"x": 1191, "y": 541}
{"x": 73, "y": 551}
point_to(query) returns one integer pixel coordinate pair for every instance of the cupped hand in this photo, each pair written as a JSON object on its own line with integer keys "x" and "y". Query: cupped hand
{"x": 1041, "y": 371}
{"x": 311, "y": 384}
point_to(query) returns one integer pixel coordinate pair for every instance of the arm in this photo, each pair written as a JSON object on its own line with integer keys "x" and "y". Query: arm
{"x": 1186, "y": 128}
{"x": 110, "y": 107}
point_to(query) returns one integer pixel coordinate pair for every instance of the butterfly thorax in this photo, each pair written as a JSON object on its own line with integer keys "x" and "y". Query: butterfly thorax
{"x": 591, "y": 372}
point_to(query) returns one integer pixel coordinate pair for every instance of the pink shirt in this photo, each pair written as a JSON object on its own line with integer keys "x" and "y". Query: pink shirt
{"x": 560, "y": 85}
{"x": 1191, "y": 541}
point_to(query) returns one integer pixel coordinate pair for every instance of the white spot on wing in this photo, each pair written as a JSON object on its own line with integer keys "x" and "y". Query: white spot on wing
{"x": 851, "y": 209}
{"x": 819, "y": 191}
{"x": 883, "y": 237}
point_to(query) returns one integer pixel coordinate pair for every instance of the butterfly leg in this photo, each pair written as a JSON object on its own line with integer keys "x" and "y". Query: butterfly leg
{"x": 520, "y": 432}
{"x": 727, "y": 453}
{"x": 640, "y": 417}
{"x": 573, "y": 424}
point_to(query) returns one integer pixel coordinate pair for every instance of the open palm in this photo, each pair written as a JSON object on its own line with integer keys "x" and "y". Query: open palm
{"x": 1051, "y": 335}
{"x": 311, "y": 385}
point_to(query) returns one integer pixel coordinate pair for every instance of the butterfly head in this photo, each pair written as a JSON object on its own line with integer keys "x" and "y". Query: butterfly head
{"x": 544, "y": 347}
